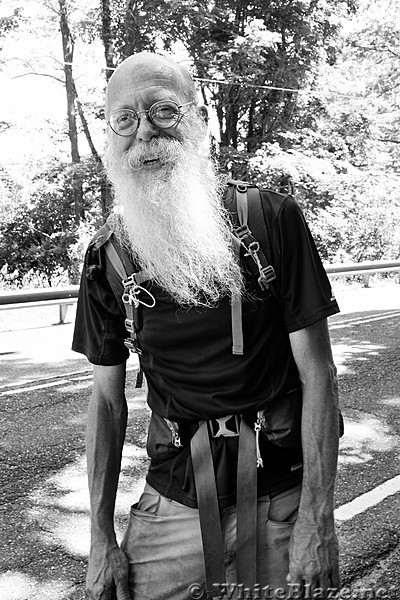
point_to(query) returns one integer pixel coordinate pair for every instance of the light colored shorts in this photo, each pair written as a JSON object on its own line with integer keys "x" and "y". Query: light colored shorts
{"x": 163, "y": 545}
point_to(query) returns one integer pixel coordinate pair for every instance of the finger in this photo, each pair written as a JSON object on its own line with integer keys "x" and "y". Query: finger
{"x": 335, "y": 578}
{"x": 123, "y": 592}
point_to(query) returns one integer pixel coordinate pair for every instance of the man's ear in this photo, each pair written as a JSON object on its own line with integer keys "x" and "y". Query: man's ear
{"x": 203, "y": 113}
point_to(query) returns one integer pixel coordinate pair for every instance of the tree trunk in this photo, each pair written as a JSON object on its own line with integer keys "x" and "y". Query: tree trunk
{"x": 130, "y": 29}
{"x": 107, "y": 37}
{"x": 105, "y": 188}
{"x": 68, "y": 54}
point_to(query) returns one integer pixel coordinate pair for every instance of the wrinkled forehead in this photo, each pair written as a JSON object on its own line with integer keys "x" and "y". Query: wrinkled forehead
{"x": 145, "y": 72}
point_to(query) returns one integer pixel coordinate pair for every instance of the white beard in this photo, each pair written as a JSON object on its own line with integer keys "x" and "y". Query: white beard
{"x": 173, "y": 219}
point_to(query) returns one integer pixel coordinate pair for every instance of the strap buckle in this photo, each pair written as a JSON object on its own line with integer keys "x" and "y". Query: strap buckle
{"x": 130, "y": 325}
{"x": 267, "y": 274}
{"x": 131, "y": 344}
{"x": 242, "y": 232}
{"x": 219, "y": 427}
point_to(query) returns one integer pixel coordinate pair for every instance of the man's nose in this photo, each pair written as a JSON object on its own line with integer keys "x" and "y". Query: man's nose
{"x": 146, "y": 129}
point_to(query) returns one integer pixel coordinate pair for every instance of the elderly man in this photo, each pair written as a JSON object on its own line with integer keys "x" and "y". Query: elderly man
{"x": 191, "y": 534}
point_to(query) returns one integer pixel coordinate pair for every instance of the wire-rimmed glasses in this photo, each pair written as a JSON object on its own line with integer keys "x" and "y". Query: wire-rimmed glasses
{"x": 163, "y": 114}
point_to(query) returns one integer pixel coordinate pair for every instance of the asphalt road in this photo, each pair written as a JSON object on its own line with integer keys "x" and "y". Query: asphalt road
{"x": 44, "y": 390}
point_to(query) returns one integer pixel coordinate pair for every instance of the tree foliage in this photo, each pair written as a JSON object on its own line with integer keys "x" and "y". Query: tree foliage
{"x": 35, "y": 240}
{"x": 303, "y": 89}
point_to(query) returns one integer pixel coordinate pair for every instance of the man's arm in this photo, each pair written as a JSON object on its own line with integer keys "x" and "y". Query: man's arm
{"x": 107, "y": 417}
{"x": 313, "y": 546}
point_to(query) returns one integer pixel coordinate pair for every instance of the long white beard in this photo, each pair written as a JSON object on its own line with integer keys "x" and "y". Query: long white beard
{"x": 173, "y": 219}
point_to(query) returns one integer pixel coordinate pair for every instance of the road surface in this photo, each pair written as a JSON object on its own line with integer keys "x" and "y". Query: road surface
{"x": 44, "y": 390}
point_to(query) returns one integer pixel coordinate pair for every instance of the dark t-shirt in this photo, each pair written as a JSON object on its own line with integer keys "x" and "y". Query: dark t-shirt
{"x": 190, "y": 369}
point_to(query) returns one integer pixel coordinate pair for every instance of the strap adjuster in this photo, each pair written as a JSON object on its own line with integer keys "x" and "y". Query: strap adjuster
{"x": 132, "y": 345}
{"x": 130, "y": 325}
{"x": 267, "y": 274}
{"x": 242, "y": 232}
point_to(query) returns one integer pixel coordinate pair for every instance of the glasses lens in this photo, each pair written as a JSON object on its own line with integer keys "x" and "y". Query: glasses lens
{"x": 164, "y": 114}
{"x": 124, "y": 122}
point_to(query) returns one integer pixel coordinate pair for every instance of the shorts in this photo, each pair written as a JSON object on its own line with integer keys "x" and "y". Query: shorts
{"x": 163, "y": 545}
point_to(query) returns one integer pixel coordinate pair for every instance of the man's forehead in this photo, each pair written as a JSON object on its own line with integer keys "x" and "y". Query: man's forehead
{"x": 146, "y": 70}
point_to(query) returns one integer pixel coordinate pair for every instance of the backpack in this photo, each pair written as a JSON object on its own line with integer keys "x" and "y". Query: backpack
{"x": 252, "y": 232}
{"x": 247, "y": 214}
{"x": 253, "y": 226}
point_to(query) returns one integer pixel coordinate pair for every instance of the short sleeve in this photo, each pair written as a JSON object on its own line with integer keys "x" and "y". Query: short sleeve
{"x": 304, "y": 286}
{"x": 99, "y": 327}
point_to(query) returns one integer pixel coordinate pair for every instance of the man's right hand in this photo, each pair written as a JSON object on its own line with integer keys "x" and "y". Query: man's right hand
{"x": 107, "y": 574}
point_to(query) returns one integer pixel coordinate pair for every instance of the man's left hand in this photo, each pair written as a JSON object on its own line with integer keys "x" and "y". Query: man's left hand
{"x": 313, "y": 558}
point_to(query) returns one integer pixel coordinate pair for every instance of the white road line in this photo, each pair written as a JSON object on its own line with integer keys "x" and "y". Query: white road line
{"x": 362, "y": 320}
{"x": 6, "y": 391}
{"x": 367, "y": 500}
{"x": 39, "y": 380}
{"x": 32, "y": 388}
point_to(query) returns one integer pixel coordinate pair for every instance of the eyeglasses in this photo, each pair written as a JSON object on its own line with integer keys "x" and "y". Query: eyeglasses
{"x": 163, "y": 114}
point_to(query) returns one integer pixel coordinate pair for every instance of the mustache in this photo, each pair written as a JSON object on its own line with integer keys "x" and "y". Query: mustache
{"x": 166, "y": 151}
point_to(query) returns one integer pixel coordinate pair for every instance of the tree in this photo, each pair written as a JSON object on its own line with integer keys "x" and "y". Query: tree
{"x": 266, "y": 51}
{"x": 68, "y": 44}
{"x": 36, "y": 239}
{"x": 294, "y": 95}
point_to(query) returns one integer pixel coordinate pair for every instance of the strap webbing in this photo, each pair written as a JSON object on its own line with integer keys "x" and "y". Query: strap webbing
{"x": 236, "y": 310}
{"x": 124, "y": 268}
{"x": 242, "y": 204}
{"x": 207, "y": 500}
{"x": 115, "y": 260}
{"x": 246, "y": 540}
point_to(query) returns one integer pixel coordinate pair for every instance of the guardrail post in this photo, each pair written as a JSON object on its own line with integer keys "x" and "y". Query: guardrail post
{"x": 63, "y": 312}
{"x": 366, "y": 277}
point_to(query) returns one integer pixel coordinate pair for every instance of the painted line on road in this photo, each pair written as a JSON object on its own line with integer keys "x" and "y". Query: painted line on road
{"x": 362, "y": 320}
{"x": 39, "y": 380}
{"x": 367, "y": 500}
{"x": 57, "y": 382}
{"x": 32, "y": 388}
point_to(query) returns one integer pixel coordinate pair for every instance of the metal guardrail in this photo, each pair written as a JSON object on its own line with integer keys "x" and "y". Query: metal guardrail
{"x": 366, "y": 269}
{"x": 67, "y": 296}
{"x": 63, "y": 297}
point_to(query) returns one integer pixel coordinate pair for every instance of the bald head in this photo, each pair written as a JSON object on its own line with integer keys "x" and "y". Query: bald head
{"x": 145, "y": 70}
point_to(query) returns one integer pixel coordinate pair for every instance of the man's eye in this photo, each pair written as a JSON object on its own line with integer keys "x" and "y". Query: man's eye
{"x": 165, "y": 112}
{"x": 123, "y": 120}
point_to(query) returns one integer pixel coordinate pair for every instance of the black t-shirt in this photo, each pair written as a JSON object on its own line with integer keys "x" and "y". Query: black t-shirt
{"x": 190, "y": 369}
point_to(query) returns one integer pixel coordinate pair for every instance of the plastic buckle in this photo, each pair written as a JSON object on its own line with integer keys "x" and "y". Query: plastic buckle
{"x": 267, "y": 274}
{"x": 242, "y": 231}
{"x": 132, "y": 345}
{"x": 129, "y": 325}
{"x": 219, "y": 426}
{"x": 129, "y": 281}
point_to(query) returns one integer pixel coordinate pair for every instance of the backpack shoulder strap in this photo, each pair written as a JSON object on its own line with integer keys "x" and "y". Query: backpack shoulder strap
{"x": 254, "y": 220}
{"x": 124, "y": 278}
{"x": 249, "y": 213}
{"x": 264, "y": 208}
